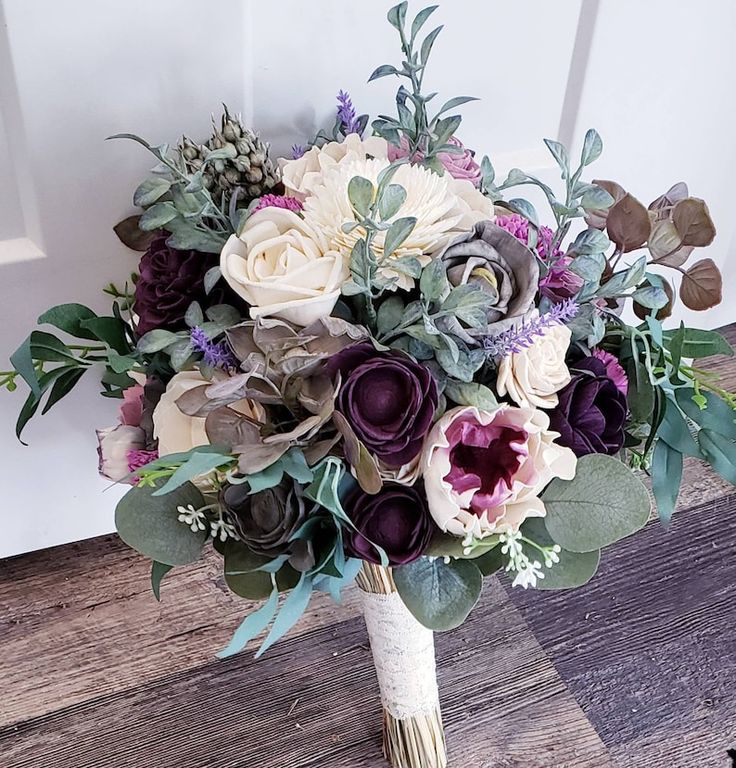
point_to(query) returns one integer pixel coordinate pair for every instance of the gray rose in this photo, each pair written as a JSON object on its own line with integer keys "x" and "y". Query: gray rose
{"x": 503, "y": 267}
{"x": 267, "y": 520}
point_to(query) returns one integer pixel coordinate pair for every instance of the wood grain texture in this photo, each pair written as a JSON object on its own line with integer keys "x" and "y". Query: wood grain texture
{"x": 314, "y": 702}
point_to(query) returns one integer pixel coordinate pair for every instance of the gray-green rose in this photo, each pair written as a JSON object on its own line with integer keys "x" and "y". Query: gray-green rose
{"x": 502, "y": 266}
{"x": 267, "y": 520}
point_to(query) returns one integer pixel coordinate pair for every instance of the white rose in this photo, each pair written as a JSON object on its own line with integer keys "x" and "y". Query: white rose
{"x": 176, "y": 431}
{"x": 300, "y": 176}
{"x": 283, "y": 267}
{"x": 534, "y": 375}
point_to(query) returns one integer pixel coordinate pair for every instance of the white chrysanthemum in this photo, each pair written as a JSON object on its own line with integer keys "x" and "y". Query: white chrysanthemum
{"x": 442, "y": 206}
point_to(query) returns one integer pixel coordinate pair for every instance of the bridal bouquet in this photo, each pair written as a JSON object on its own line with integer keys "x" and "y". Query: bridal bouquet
{"x": 371, "y": 361}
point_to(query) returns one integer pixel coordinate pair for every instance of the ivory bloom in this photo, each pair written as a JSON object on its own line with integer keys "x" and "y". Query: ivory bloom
{"x": 484, "y": 470}
{"x": 176, "y": 431}
{"x": 284, "y": 267}
{"x": 534, "y": 375}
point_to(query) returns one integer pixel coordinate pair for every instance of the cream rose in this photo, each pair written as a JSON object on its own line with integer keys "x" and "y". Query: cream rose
{"x": 301, "y": 175}
{"x": 284, "y": 268}
{"x": 484, "y": 470}
{"x": 176, "y": 432}
{"x": 534, "y": 375}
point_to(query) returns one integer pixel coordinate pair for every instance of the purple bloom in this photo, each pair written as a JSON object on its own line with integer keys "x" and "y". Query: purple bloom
{"x": 614, "y": 371}
{"x": 591, "y": 412}
{"x": 515, "y": 339}
{"x": 297, "y": 150}
{"x": 396, "y": 519}
{"x": 519, "y": 228}
{"x": 214, "y": 354}
{"x": 279, "y": 201}
{"x": 346, "y": 114}
{"x": 138, "y": 459}
{"x": 389, "y": 400}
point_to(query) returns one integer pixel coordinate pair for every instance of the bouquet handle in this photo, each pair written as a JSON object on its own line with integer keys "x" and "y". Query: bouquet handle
{"x": 403, "y": 655}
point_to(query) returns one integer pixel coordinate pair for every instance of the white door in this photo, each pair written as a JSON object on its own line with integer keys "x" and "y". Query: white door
{"x": 654, "y": 78}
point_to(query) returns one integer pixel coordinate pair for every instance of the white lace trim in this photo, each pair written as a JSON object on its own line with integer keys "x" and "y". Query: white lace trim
{"x": 403, "y": 654}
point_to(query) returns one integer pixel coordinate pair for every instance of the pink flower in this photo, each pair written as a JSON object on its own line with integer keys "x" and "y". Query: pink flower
{"x": 278, "y": 201}
{"x": 614, "y": 371}
{"x": 459, "y": 166}
{"x": 114, "y": 446}
{"x": 131, "y": 409}
{"x": 484, "y": 470}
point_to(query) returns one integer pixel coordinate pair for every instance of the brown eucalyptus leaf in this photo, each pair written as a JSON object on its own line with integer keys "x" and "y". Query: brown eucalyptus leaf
{"x": 130, "y": 234}
{"x": 597, "y": 219}
{"x": 317, "y": 394}
{"x": 702, "y": 286}
{"x": 225, "y": 426}
{"x": 675, "y": 193}
{"x": 692, "y": 220}
{"x": 358, "y": 456}
{"x": 665, "y": 245}
{"x": 255, "y": 458}
{"x": 628, "y": 224}
{"x": 664, "y": 312}
{"x": 318, "y": 450}
{"x": 240, "y": 339}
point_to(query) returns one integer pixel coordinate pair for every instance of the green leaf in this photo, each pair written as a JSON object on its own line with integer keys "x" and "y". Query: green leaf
{"x": 242, "y": 574}
{"x": 109, "y": 330}
{"x": 158, "y": 571}
{"x": 471, "y": 393}
{"x": 211, "y": 278}
{"x": 149, "y": 524}
{"x": 720, "y": 452}
{"x": 155, "y": 341}
{"x": 360, "y": 194}
{"x": 420, "y": 19}
{"x": 68, "y": 318}
{"x": 150, "y": 191}
{"x": 574, "y": 568}
{"x": 397, "y": 234}
{"x": 433, "y": 283}
{"x": 427, "y": 44}
{"x": 397, "y": 15}
{"x": 390, "y": 201}
{"x": 383, "y": 71}
{"x": 439, "y": 595}
{"x": 589, "y": 266}
{"x": 252, "y": 626}
{"x": 650, "y": 297}
{"x": 666, "y": 478}
{"x": 558, "y": 151}
{"x": 525, "y": 208}
{"x": 389, "y": 314}
{"x": 717, "y": 416}
{"x": 596, "y": 199}
{"x": 22, "y": 361}
{"x": 46, "y": 347}
{"x": 157, "y": 216}
{"x": 698, "y": 343}
{"x": 675, "y": 432}
{"x": 198, "y": 463}
{"x": 591, "y": 241}
{"x": 291, "y": 611}
{"x": 604, "y": 502}
{"x": 592, "y": 147}
{"x": 62, "y": 386}
{"x": 457, "y": 101}
{"x": 490, "y": 561}
{"x": 194, "y": 315}
{"x": 296, "y": 466}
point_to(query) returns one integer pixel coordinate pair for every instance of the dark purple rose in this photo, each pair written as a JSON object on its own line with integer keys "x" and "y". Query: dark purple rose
{"x": 388, "y": 399}
{"x": 170, "y": 280}
{"x": 395, "y": 519}
{"x": 591, "y": 412}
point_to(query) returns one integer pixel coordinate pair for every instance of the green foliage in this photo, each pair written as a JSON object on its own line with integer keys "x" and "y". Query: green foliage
{"x": 149, "y": 524}
{"x": 666, "y": 478}
{"x": 158, "y": 571}
{"x": 440, "y": 595}
{"x": 603, "y": 503}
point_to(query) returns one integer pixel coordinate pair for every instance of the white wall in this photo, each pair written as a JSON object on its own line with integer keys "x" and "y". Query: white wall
{"x": 654, "y": 78}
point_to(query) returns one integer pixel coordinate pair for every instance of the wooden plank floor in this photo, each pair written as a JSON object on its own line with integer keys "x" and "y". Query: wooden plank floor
{"x": 635, "y": 670}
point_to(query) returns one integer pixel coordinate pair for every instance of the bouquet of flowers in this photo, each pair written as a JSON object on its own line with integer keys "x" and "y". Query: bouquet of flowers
{"x": 369, "y": 362}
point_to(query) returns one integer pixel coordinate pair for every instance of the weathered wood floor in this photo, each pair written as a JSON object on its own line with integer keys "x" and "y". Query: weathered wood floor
{"x": 635, "y": 670}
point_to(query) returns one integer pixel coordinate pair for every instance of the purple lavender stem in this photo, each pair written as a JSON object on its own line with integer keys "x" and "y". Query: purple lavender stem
{"x": 515, "y": 339}
{"x": 346, "y": 113}
{"x": 215, "y": 354}
{"x": 297, "y": 150}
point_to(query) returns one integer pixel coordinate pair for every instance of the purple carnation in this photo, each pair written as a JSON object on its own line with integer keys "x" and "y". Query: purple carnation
{"x": 591, "y": 412}
{"x": 396, "y": 519}
{"x": 389, "y": 400}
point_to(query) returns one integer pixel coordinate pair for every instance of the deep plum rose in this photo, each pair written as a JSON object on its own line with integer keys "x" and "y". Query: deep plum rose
{"x": 591, "y": 412}
{"x": 388, "y": 399}
{"x": 484, "y": 470}
{"x": 170, "y": 280}
{"x": 395, "y": 519}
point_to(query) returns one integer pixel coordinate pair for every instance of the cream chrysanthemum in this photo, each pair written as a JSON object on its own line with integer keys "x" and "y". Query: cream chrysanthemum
{"x": 442, "y": 206}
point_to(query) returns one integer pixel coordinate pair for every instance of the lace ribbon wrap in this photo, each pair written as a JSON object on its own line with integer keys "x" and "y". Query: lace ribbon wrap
{"x": 403, "y": 654}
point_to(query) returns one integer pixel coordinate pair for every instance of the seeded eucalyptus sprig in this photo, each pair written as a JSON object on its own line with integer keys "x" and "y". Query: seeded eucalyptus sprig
{"x": 426, "y": 137}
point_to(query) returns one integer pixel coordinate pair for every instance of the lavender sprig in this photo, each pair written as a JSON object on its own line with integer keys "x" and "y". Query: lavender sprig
{"x": 515, "y": 339}
{"x": 297, "y": 150}
{"x": 349, "y": 122}
{"x": 214, "y": 354}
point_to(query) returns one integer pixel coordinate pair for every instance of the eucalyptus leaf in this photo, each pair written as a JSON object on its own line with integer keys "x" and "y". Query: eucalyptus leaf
{"x": 360, "y": 194}
{"x": 592, "y": 147}
{"x": 150, "y": 191}
{"x": 252, "y": 626}
{"x": 720, "y": 452}
{"x": 397, "y": 234}
{"x": 439, "y": 595}
{"x": 666, "y": 478}
{"x": 717, "y": 416}
{"x": 471, "y": 393}
{"x": 603, "y": 503}
{"x": 158, "y": 571}
{"x": 68, "y": 318}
